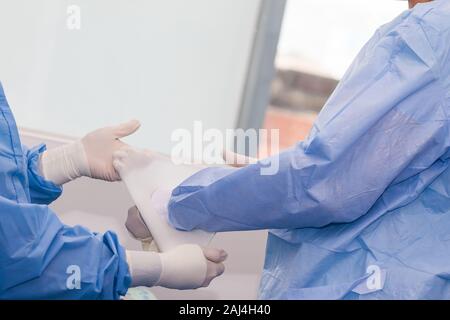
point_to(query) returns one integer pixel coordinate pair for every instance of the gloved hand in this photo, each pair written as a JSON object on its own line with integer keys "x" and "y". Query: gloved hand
{"x": 237, "y": 160}
{"x": 185, "y": 267}
{"x": 91, "y": 156}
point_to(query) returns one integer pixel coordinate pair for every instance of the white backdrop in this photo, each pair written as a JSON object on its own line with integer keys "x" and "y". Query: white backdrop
{"x": 165, "y": 62}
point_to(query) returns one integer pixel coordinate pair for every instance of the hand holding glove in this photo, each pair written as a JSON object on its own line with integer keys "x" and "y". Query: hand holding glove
{"x": 90, "y": 157}
{"x": 185, "y": 267}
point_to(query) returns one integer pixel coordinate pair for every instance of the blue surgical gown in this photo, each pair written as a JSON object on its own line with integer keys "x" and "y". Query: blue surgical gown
{"x": 41, "y": 258}
{"x": 368, "y": 191}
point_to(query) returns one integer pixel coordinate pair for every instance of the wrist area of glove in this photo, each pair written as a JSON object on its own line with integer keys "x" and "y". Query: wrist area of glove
{"x": 65, "y": 163}
{"x": 145, "y": 268}
{"x": 183, "y": 268}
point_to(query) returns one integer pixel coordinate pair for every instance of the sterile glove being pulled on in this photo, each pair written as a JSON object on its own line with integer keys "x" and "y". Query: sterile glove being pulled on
{"x": 150, "y": 178}
{"x": 184, "y": 267}
{"x": 91, "y": 156}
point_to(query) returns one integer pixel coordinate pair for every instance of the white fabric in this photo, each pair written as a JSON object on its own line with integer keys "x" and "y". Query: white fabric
{"x": 63, "y": 164}
{"x": 150, "y": 177}
{"x": 145, "y": 268}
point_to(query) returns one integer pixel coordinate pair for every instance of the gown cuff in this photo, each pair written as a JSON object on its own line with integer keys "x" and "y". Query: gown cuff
{"x": 43, "y": 191}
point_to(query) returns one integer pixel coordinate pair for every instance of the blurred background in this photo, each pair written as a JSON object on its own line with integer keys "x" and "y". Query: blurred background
{"x": 318, "y": 41}
{"x": 227, "y": 63}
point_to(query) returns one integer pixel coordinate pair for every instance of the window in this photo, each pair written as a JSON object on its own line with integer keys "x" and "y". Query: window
{"x": 318, "y": 41}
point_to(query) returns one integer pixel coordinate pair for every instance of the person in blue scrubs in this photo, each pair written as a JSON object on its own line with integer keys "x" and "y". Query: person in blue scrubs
{"x": 41, "y": 258}
{"x": 361, "y": 209}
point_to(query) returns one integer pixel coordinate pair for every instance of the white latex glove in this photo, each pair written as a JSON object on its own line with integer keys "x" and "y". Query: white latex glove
{"x": 185, "y": 267}
{"x": 91, "y": 156}
{"x": 100, "y": 146}
{"x": 237, "y": 160}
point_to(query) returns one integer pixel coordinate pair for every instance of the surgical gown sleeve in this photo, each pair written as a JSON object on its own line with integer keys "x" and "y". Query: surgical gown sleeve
{"x": 41, "y": 258}
{"x": 41, "y": 190}
{"x": 384, "y": 123}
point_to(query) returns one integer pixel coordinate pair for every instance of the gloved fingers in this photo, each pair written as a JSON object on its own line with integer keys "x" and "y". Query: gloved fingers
{"x": 215, "y": 255}
{"x": 119, "y": 157}
{"x": 214, "y": 264}
{"x": 237, "y": 160}
{"x": 106, "y": 172}
{"x": 125, "y": 129}
{"x": 213, "y": 271}
{"x": 114, "y": 177}
{"x": 120, "y": 154}
{"x": 118, "y": 165}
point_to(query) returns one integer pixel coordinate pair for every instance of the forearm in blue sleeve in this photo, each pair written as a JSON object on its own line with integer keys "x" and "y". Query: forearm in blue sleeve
{"x": 40, "y": 258}
{"x": 41, "y": 191}
{"x": 294, "y": 197}
{"x": 374, "y": 132}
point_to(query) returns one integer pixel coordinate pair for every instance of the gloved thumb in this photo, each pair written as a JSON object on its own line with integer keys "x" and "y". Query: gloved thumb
{"x": 125, "y": 129}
